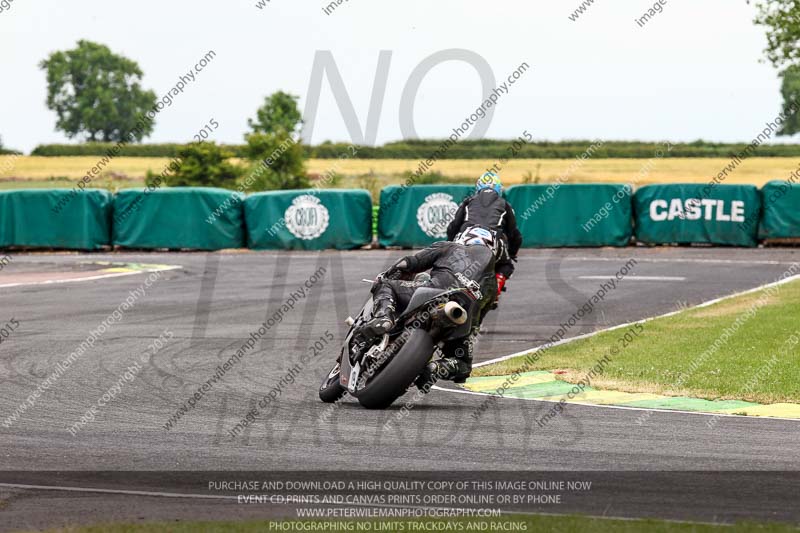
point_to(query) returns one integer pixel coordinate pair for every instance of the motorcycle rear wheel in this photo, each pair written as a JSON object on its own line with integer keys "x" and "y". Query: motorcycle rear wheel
{"x": 399, "y": 373}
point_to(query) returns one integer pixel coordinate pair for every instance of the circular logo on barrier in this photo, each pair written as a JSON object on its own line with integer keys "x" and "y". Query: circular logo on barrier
{"x": 307, "y": 218}
{"x": 435, "y": 213}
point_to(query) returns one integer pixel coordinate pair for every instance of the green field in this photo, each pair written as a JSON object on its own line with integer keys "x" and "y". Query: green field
{"x": 691, "y": 354}
{"x": 543, "y": 524}
{"x": 30, "y": 171}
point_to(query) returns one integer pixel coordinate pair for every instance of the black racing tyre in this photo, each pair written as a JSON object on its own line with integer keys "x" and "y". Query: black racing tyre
{"x": 399, "y": 373}
{"x": 331, "y": 390}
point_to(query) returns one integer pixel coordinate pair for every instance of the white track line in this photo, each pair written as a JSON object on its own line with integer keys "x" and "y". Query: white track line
{"x": 634, "y": 277}
{"x": 119, "y": 491}
{"x": 89, "y": 278}
{"x": 612, "y": 328}
{"x": 222, "y": 497}
{"x": 675, "y": 260}
{"x": 586, "y": 335}
{"x": 217, "y": 497}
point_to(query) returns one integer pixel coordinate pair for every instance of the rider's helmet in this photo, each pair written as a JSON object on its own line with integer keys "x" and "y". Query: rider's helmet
{"x": 489, "y": 180}
{"x": 476, "y": 236}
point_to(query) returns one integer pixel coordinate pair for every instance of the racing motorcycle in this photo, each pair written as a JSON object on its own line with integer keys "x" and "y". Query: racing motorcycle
{"x": 377, "y": 371}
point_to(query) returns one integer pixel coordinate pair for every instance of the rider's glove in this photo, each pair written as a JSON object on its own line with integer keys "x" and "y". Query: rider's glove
{"x": 395, "y": 269}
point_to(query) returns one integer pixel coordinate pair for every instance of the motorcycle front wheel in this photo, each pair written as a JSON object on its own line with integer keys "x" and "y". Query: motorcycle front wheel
{"x": 331, "y": 389}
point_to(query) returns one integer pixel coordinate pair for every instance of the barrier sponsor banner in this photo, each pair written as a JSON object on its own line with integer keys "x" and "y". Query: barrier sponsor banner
{"x": 178, "y": 218}
{"x": 781, "y": 210}
{"x": 418, "y": 216}
{"x": 560, "y": 215}
{"x": 55, "y": 218}
{"x": 309, "y": 219}
{"x": 696, "y": 213}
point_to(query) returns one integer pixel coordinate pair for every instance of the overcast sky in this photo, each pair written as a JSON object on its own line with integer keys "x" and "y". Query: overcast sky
{"x": 691, "y": 72}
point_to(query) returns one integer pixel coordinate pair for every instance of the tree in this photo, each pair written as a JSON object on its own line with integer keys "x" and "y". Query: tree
{"x": 278, "y": 114}
{"x": 279, "y": 159}
{"x": 790, "y": 90}
{"x": 782, "y": 19}
{"x": 201, "y": 164}
{"x": 279, "y": 162}
{"x": 97, "y": 93}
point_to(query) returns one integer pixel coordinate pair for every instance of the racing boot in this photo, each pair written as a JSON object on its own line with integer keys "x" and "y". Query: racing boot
{"x": 456, "y": 365}
{"x": 450, "y": 369}
{"x": 463, "y": 370}
{"x": 383, "y": 318}
{"x": 427, "y": 378}
{"x": 464, "y": 356}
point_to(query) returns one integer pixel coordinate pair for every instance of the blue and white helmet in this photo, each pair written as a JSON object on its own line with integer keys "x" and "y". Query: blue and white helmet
{"x": 489, "y": 180}
{"x": 476, "y": 236}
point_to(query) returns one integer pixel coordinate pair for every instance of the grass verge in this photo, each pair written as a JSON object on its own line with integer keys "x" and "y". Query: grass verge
{"x": 554, "y": 524}
{"x": 743, "y": 348}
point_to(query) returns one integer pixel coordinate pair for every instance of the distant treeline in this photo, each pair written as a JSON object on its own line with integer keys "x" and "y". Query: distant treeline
{"x": 478, "y": 149}
{"x": 126, "y": 150}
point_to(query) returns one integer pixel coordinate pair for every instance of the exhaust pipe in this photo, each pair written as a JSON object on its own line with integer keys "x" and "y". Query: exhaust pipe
{"x": 455, "y": 313}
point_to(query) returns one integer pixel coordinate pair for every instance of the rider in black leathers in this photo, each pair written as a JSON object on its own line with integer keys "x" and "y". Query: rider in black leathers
{"x": 487, "y": 209}
{"x": 451, "y": 264}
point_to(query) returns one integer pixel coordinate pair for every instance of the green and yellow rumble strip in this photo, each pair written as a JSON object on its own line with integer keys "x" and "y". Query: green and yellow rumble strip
{"x": 121, "y": 268}
{"x": 544, "y": 385}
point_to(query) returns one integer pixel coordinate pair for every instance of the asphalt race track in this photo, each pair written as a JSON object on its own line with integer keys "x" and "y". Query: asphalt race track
{"x": 207, "y": 309}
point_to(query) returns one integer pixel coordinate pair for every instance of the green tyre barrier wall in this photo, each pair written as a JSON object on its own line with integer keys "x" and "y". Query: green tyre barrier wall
{"x": 418, "y": 216}
{"x": 697, "y": 213}
{"x": 559, "y": 215}
{"x": 309, "y": 219}
{"x": 198, "y": 218}
{"x": 780, "y": 202}
{"x": 56, "y": 218}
